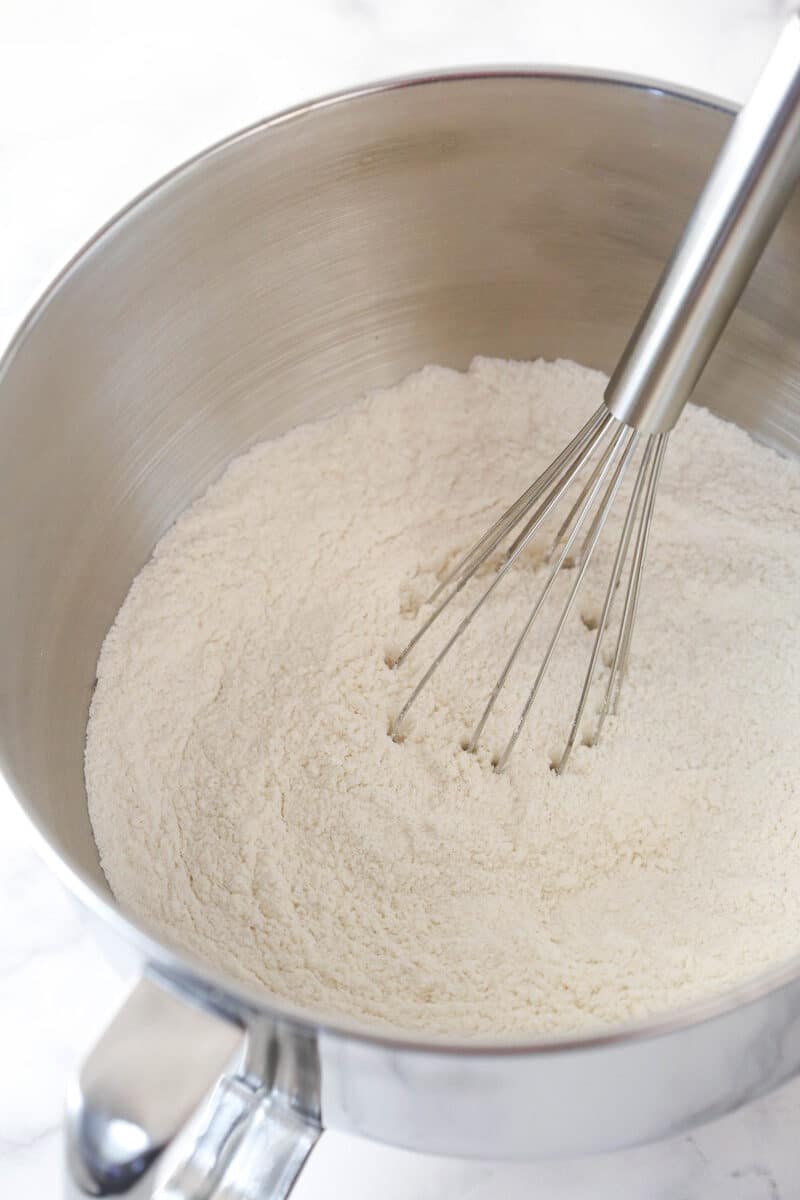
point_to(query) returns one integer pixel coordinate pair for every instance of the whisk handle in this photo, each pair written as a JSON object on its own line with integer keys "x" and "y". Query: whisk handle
{"x": 740, "y": 205}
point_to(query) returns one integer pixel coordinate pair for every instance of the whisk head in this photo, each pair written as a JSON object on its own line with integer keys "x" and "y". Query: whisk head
{"x": 606, "y": 448}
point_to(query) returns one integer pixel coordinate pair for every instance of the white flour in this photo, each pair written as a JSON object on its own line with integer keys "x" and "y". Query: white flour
{"x": 245, "y": 796}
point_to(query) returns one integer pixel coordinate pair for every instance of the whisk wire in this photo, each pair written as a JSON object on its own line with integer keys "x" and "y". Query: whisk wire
{"x": 489, "y": 541}
{"x": 628, "y": 438}
{"x": 619, "y": 662}
{"x": 598, "y": 475}
{"x": 570, "y": 517}
{"x": 611, "y": 591}
{"x": 522, "y": 536}
{"x": 619, "y": 443}
{"x": 585, "y": 452}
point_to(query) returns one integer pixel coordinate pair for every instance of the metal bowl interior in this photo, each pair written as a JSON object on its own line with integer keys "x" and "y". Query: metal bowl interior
{"x": 286, "y": 271}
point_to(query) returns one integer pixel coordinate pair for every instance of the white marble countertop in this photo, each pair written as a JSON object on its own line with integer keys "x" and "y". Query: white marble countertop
{"x": 98, "y": 99}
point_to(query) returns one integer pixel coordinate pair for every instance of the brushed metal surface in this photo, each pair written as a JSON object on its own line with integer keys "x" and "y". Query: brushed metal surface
{"x": 274, "y": 278}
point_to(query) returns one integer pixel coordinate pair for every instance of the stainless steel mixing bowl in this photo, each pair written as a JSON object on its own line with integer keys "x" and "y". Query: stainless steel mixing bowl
{"x": 278, "y": 275}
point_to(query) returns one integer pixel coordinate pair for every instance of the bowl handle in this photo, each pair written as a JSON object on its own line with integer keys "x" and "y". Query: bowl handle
{"x": 137, "y": 1126}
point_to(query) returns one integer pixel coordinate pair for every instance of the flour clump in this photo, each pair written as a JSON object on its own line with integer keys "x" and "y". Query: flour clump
{"x": 247, "y": 801}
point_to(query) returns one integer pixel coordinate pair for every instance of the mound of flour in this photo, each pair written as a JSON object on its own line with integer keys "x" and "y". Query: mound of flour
{"x": 247, "y": 801}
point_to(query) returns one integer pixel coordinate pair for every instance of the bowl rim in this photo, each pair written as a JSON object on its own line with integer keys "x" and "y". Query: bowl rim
{"x": 179, "y": 969}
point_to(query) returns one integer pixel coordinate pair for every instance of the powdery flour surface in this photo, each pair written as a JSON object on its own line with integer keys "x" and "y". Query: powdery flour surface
{"x": 247, "y": 800}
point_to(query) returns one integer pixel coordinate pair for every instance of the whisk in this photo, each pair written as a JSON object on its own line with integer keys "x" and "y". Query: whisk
{"x": 742, "y": 201}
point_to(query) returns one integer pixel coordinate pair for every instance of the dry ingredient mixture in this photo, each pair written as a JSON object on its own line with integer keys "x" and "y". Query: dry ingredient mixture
{"x": 247, "y": 800}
